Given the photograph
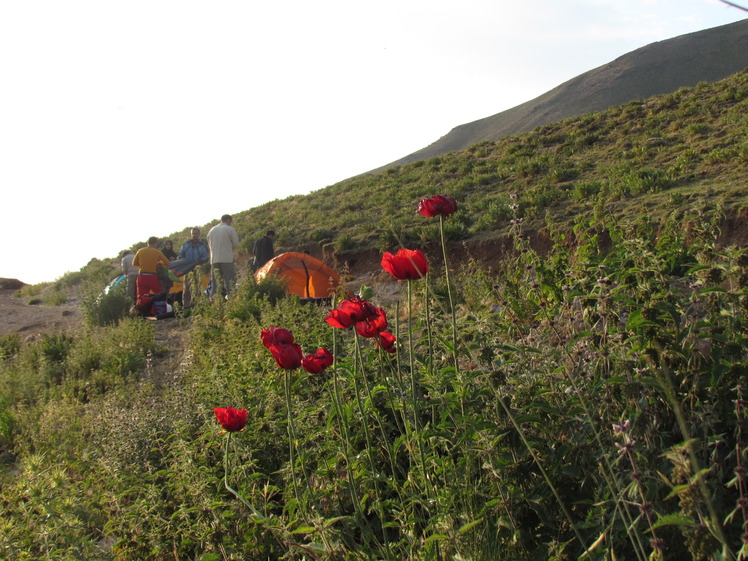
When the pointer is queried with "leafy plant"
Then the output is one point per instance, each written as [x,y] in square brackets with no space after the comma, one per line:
[104,308]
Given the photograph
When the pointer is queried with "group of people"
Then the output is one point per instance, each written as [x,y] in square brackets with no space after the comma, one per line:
[150,271]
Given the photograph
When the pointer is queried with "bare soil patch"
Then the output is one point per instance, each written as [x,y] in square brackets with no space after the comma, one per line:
[31,320]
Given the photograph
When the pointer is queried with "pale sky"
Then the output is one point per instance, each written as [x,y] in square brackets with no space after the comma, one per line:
[122,120]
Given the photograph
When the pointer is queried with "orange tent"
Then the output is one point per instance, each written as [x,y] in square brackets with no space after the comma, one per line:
[307,276]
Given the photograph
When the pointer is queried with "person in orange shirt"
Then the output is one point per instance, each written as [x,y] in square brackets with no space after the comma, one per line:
[148,284]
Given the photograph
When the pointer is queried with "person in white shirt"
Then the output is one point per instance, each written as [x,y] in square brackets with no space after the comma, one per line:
[222,242]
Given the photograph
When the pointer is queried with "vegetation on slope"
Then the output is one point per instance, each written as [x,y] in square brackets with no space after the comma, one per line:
[587,402]
[596,409]
[643,158]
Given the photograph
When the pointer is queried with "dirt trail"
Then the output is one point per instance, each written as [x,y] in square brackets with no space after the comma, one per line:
[31,320]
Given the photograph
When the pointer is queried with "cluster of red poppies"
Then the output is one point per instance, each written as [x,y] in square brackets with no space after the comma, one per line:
[288,355]
[369,320]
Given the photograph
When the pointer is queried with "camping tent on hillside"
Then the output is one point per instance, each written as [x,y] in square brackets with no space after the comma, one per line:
[307,277]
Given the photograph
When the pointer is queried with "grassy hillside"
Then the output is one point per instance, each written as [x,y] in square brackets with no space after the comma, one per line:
[586,401]
[642,159]
[639,160]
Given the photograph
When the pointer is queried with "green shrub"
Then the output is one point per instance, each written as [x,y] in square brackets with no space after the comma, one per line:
[719,155]
[563,173]
[55,298]
[686,161]
[344,242]
[495,212]
[247,302]
[676,199]
[647,180]
[544,195]
[107,307]
[7,426]
[698,128]
[322,235]
[9,345]
[584,191]
[32,290]
[487,178]
[96,271]
[457,226]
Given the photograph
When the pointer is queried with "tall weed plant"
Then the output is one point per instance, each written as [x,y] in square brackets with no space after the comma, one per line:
[104,307]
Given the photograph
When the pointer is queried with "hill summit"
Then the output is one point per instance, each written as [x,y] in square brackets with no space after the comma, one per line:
[659,68]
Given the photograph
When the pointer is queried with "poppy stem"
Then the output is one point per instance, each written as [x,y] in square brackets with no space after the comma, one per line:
[370,397]
[365,423]
[291,438]
[449,294]
[399,375]
[414,389]
[429,341]
[226,480]
[362,411]
[292,446]
[344,428]
[276,532]
[398,370]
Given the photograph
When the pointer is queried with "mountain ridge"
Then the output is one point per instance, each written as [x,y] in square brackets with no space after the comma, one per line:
[658,68]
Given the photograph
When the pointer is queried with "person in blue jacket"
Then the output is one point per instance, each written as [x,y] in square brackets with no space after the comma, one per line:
[193,252]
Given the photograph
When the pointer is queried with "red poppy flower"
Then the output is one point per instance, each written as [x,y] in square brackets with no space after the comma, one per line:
[373,326]
[349,312]
[437,205]
[232,420]
[407,264]
[316,363]
[386,341]
[276,336]
[287,356]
